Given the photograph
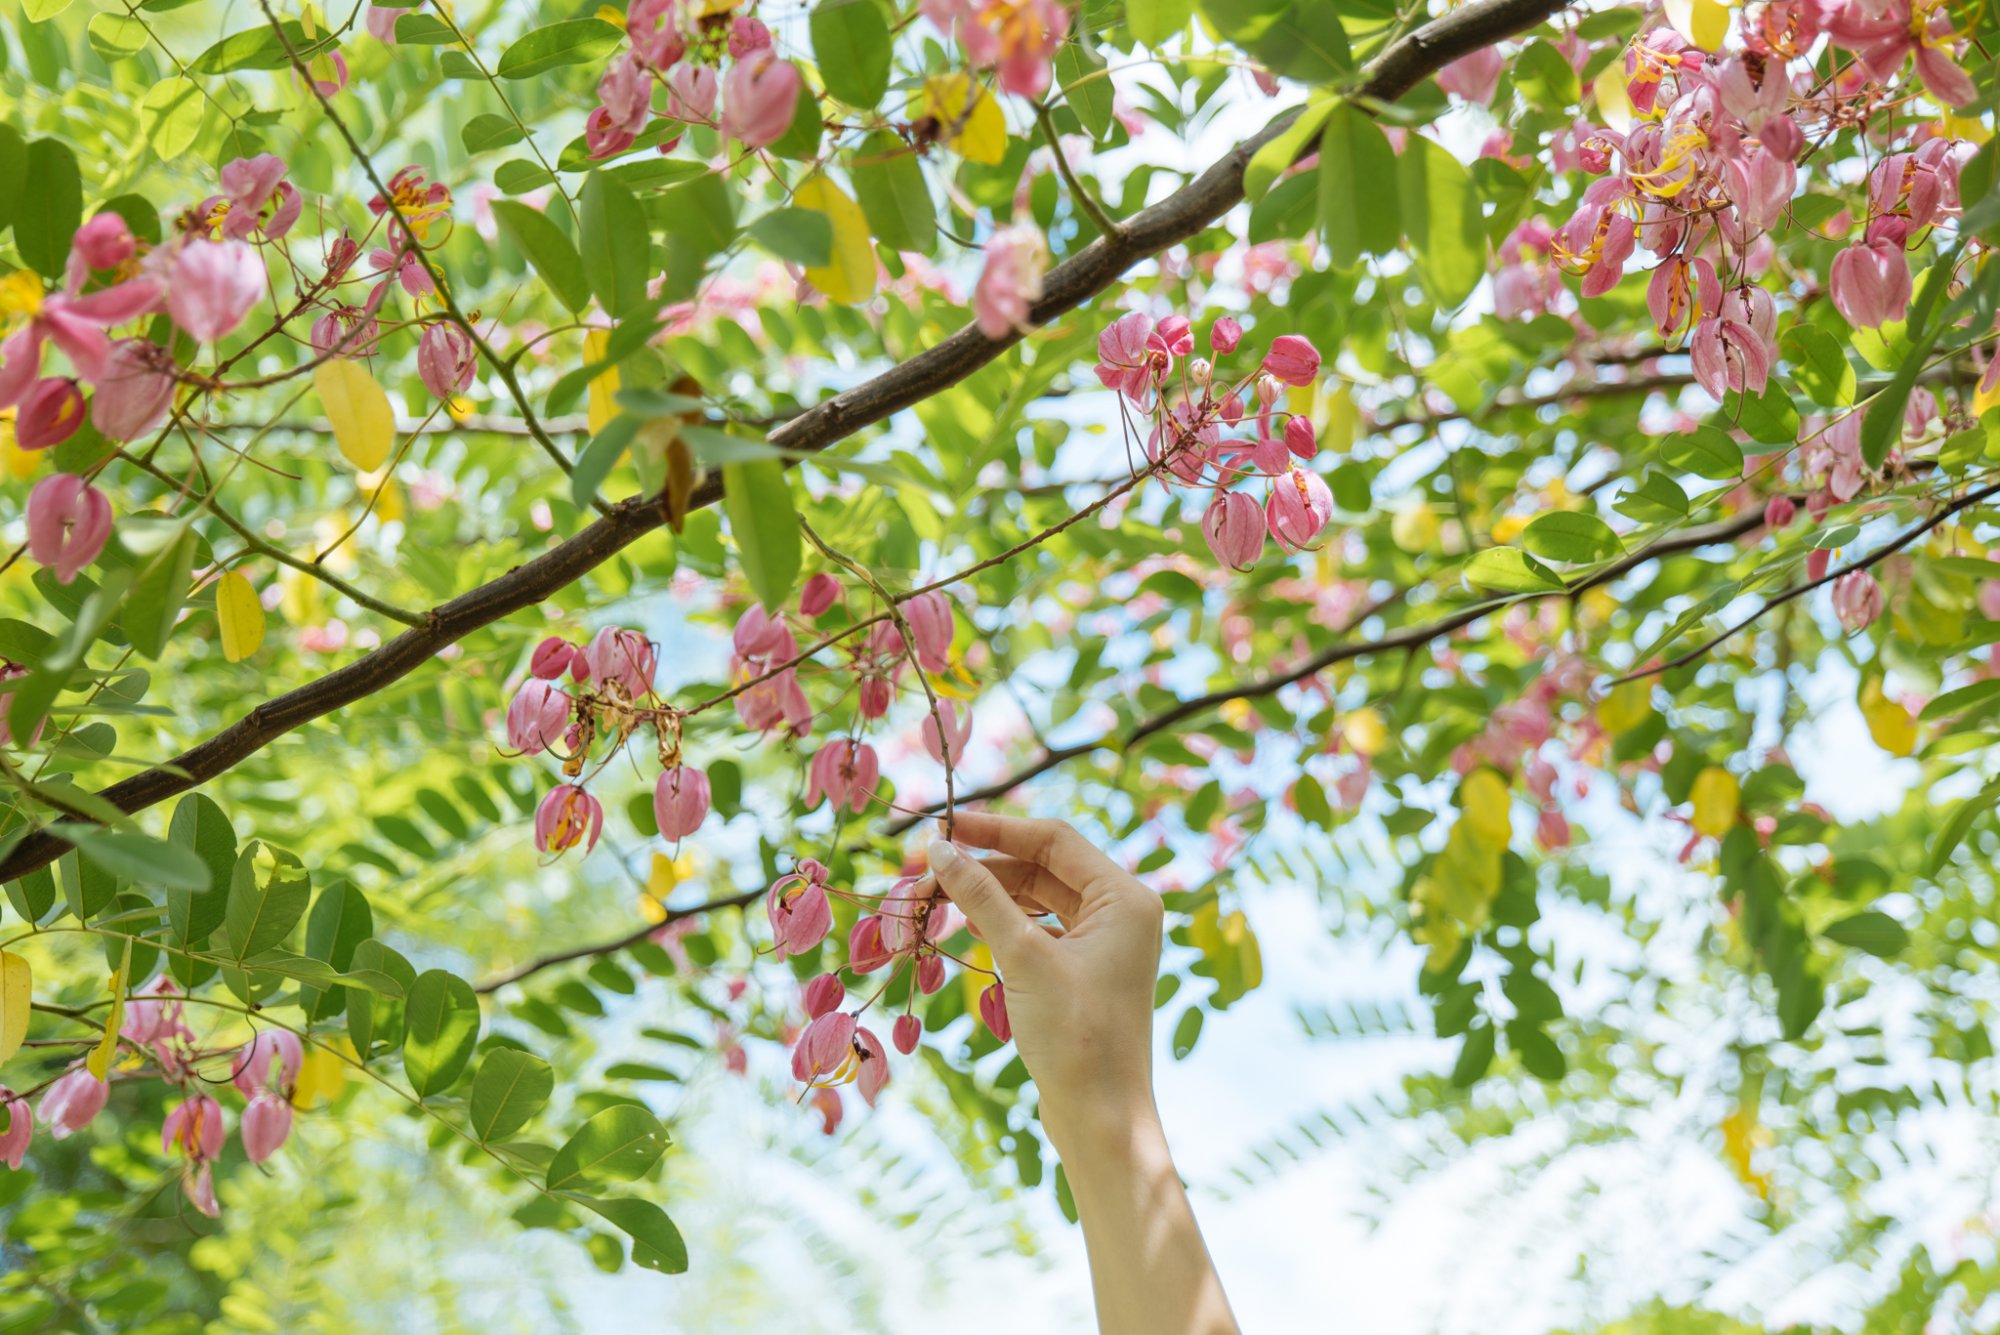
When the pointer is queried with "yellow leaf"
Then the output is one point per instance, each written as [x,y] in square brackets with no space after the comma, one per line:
[99,1061]
[16,462]
[603,402]
[1614,103]
[1703,22]
[1626,707]
[240,616]
[16,983]
[1489,812]
[1889,723]
[1715,795]
[971,980]
[970,120]
[1364,732]
[848,277]
[1742,1136]
[322,1075]
[363,423]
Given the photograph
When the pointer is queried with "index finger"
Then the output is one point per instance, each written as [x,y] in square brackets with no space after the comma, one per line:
[1053,844]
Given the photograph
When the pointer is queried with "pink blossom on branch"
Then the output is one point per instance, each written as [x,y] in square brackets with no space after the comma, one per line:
[1011,281]
[68,522]
[680,801]
[211,286]
[566,817]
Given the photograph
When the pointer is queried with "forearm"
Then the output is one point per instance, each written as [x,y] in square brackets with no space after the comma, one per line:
[1148,1264]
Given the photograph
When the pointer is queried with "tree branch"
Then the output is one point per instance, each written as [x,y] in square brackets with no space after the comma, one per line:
[1181,215]
[626,942]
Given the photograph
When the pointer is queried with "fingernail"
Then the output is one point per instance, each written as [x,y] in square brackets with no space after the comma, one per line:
[941,855]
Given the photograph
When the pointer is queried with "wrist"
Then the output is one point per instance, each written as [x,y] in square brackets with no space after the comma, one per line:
[1116,1128]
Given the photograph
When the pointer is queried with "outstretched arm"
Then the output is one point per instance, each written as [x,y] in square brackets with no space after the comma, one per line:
[1080,1001]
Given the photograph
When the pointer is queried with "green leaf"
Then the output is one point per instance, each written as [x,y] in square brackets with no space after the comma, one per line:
[619,1144]
[1301,39]
[1187,1032]
[261,48]
[804,236]
[155,603]
[423,30]
[517,176]
[1657,499]
[1442,217]
[600,456]
[1269,163]
[1086,87]
[850,40]
[51,209]
[1509,570]
[656,1243]
[545,247]
[135,856]
[201,826]
[1545,77]
[340,921]
[1959,825]
[889,186]
[574,42]
[440,1027]
[1474,1056]
[261,914]
[1573,536]
[758,501]
[1981,695]
[1820,365]
[34,696]
[1359,211]
[14,175]
[1154,22]
[617,247]
[489,131]
[510,1087]
[1706,452]
[116,36]
[1770,417]
[800,141]
[1869,930]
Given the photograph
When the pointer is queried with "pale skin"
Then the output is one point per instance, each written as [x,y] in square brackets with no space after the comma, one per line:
[1080,1000]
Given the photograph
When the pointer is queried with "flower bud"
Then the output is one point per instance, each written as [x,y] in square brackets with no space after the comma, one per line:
[1200,371]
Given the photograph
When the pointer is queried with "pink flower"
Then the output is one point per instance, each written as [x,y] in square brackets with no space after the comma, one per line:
[446,358]
[930,972]
[823,995]
[1594,244]
[1224,335]
[1131,358]
[758,634]
[760,95]
[20,1128]
[75,324]
[211,286]
[603,136]
[778,700]
[382,23]
[270,1047]
[566,817]
[865,951]
[911,916]
[1551,830]
[956,734]
[1778,512]
[1870,283]
[1734,349]
[1857,599]
[799,914]
[266,1124]
[873,1065]
[993,1011]
[68,521]
[1682,291]
[153,1015]
[626,91]
[72,1102]
[1885,33]
[930,619]
[826,1102]
[1292,359]
[1177,334]
[1011,281]
[105,242]
[747,35]
[51,411]
[1473,77]
[196,1126]
[691,91]
[819,594]
[135,390]
[680,801]
[825,1051]
[1299,508]
[625,657]
[906,1033]
[845,773]
[1019,38]
[198,1185]
[552,658]
[538,716]
[1234,527]
[252,184]
[1300,438]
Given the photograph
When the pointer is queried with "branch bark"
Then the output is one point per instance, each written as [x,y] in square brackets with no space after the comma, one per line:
[1197,205]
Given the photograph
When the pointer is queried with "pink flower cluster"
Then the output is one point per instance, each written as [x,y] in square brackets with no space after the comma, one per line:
[1711,166]
[265,1071]
[679,48]
[1016,38]
[1186,411]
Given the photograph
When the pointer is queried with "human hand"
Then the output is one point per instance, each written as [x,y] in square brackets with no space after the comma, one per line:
[1079,996]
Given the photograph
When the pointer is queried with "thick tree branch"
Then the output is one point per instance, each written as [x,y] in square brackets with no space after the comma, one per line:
[1181,215]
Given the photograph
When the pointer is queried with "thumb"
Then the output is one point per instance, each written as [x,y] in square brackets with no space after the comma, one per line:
[984,902]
